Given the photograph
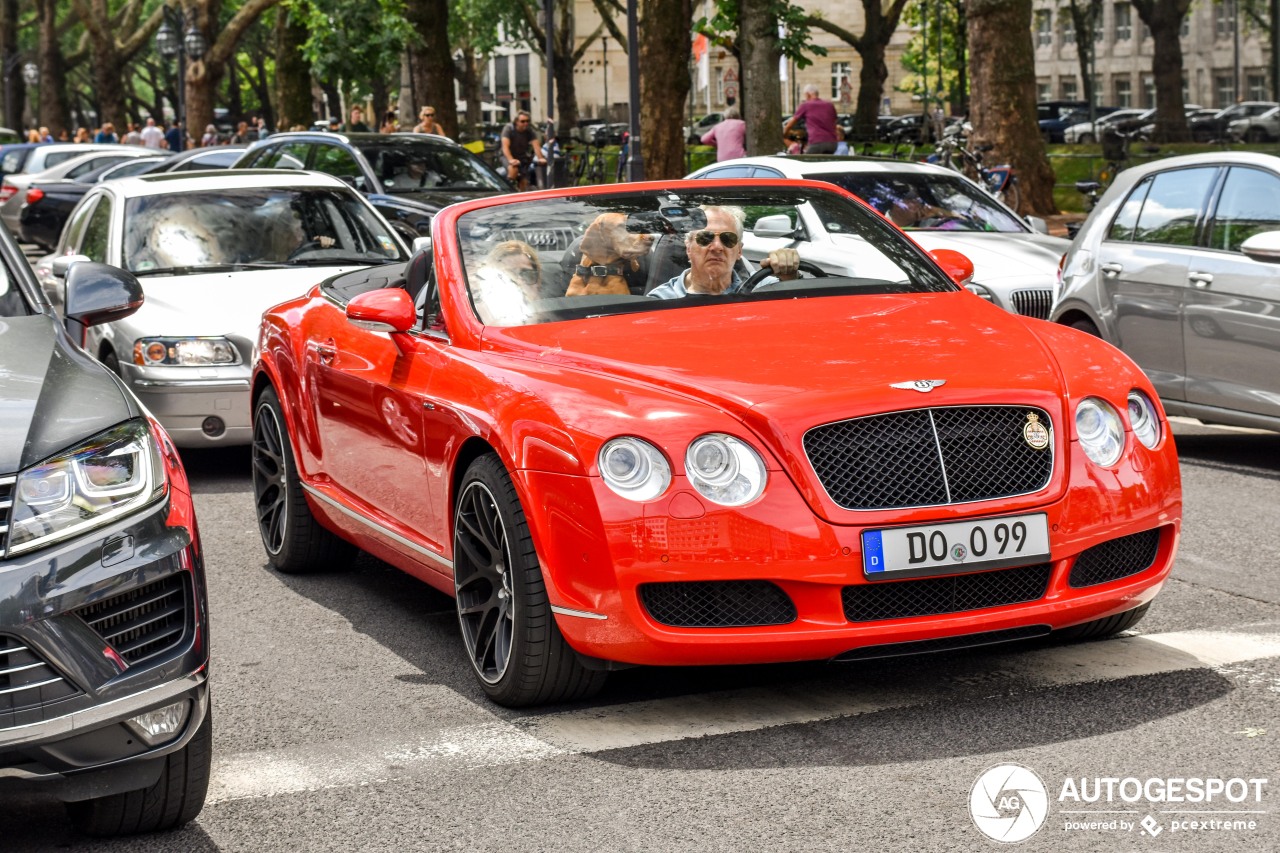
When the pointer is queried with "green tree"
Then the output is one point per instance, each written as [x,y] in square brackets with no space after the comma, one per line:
[1164,19]
[357,41]
[473,30]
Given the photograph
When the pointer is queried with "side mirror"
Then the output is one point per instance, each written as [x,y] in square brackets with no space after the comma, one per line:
[1264,246]
[420,244]
[1037,224]
[384,310]
[96,294]
[63,262]
[778,225]
[957,267]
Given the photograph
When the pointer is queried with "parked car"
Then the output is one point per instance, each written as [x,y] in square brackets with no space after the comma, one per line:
[1206,128]
[1014,265]
[585,129]
[406,176]
[1193,113]
[47,204]
[694,132]
[8,134]
[13,189]
[21,157]
[213,250]
[104,623]
[757,476]
[1264,127]
[1178,266]
[1087,132]
[1054,130]
[609,134]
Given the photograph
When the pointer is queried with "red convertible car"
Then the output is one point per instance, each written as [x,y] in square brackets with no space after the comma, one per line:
[615,440]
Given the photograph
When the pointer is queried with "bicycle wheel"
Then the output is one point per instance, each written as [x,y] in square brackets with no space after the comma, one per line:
[596,172]
[1012,195]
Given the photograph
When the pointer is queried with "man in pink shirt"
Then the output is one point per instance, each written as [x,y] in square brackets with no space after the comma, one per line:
[819,122]
[729,136]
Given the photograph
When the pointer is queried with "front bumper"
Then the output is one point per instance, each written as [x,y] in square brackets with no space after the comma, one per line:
[182,399]
[93,632]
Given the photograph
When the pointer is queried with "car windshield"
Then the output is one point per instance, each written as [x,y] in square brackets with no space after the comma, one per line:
[584,257]
[927,202]
[413,165]
[199,231]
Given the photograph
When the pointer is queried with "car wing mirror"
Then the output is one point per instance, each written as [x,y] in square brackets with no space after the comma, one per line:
[421,244]
[388,309]
[1264,246]
[96,294]
[62,263]
[957,267]
[775,226]
[1037,224]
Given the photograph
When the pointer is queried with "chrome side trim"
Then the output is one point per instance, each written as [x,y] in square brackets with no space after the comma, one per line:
[583,614]
[192,383]
[120,708]
[426,552]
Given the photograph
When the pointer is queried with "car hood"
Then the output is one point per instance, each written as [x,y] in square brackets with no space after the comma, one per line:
[220,303]
[998,256]
[808,361]
[52,394]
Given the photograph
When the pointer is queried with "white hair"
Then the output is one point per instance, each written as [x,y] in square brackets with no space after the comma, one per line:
[810,89]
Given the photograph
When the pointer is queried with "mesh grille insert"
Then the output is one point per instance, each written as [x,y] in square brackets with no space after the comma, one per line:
[953,594]
[717,604]
[929,457]
[142,623]
[27,680]
[1118,558]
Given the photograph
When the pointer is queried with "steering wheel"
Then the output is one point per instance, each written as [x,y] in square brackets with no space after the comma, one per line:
[309,246]
[764,272]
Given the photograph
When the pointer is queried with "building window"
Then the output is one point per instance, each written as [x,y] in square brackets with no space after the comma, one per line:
[1097,91]
[1223,21]
[1124,92]
[1148,91]
[1070,91]
[1044,28]
[1123,21]
[840,72]
[501,76]
[719,75]
[1224,90]
[1258,87]
[1186,26]
[1044,91]
[1068,30]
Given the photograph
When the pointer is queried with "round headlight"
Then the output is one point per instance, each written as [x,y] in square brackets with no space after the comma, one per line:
[725,470]
[1143,419]
[1100,431]
[633,468]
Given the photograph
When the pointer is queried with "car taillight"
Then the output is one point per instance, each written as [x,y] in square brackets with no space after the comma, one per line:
[34,195]
[7,191]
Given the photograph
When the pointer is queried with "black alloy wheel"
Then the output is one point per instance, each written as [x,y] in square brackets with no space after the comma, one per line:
[294,540]
[510,633]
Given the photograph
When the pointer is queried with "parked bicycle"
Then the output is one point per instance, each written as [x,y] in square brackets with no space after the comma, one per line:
[954,152]
[586,164]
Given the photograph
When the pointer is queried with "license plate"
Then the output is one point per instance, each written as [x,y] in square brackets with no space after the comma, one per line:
[960,546]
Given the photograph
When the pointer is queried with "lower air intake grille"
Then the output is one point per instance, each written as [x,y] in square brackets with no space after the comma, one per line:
[945,644]
[954,594]
[1033,303]
[142,623]
[1116,559]
[717,604]
[27,681]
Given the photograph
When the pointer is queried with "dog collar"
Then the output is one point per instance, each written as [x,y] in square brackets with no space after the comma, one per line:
[599,270]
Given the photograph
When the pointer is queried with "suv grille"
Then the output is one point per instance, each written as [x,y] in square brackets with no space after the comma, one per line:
[930,457]
[6,509]
[1116,559]
[1033,303]
[27,680]
[954,594]
[142,623]
[717,604]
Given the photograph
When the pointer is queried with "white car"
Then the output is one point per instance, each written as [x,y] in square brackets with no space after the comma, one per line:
[1015,264]
[1256,129]
[13,189]
[212,251]
[1087,132]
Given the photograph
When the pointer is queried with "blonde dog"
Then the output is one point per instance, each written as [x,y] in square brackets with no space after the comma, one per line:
[606,247]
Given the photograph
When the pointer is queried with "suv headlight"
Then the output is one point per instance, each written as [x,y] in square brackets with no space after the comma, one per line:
[112,474]
[1101,433]
[184,352]
[724,469]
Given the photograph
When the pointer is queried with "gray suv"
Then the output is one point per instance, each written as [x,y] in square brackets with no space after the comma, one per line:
[104,628]
[1179,266]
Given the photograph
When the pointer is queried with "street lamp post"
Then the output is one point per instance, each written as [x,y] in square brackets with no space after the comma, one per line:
[170,46]
[31,76]
[604,47]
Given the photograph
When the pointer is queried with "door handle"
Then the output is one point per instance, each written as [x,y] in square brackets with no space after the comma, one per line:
[1200,279]
[1111,269]
[325,352]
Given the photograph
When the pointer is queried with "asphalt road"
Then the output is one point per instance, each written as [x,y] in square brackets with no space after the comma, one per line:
[346,718]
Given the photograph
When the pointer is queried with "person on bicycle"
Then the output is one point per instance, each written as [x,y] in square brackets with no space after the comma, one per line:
[520,150]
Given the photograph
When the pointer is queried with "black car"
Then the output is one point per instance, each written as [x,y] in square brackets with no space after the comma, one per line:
[406,176]
[104,629]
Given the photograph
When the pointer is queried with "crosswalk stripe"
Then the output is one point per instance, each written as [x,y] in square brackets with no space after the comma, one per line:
[495,742]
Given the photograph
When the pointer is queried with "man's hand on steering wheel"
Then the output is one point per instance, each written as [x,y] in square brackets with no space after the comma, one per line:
[784,263]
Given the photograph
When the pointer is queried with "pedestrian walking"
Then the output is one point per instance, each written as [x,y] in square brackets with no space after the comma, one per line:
[176,138]
[107,134]
[427,122]
[152,136]
[729,136]
[819,122]
[134,136]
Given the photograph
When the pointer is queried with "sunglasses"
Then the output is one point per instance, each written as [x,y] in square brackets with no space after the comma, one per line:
[428,115]
[728,239]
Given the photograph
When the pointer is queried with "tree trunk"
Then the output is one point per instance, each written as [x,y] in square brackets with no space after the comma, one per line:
[1164,19]
[761,99]
[664,55]
[13,86]
[53,81]
[433,61]
[469,81]
[872,75]
[293,73]
[1084,18]
[1004,96]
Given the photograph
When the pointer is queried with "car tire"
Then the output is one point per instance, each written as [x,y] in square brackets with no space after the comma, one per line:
[111,361]
[1086,139]
[175,799]
[1100,628]
[1087,327]
[515,647]
[1256,135]
[295,542]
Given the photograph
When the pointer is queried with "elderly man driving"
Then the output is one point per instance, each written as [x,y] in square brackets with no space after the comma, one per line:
[713,252]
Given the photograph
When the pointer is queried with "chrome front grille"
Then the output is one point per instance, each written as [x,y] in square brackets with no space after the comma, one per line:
[27,681]
[6,509]
[1033,303]
[542,239]
[143,623]
[930,457]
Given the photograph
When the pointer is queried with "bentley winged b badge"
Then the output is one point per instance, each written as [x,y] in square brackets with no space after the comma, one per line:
[924,386]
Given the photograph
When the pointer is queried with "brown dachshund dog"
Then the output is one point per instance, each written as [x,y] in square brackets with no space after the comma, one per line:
[606,247]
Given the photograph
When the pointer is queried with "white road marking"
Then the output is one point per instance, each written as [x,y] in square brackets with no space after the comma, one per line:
[365,761]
